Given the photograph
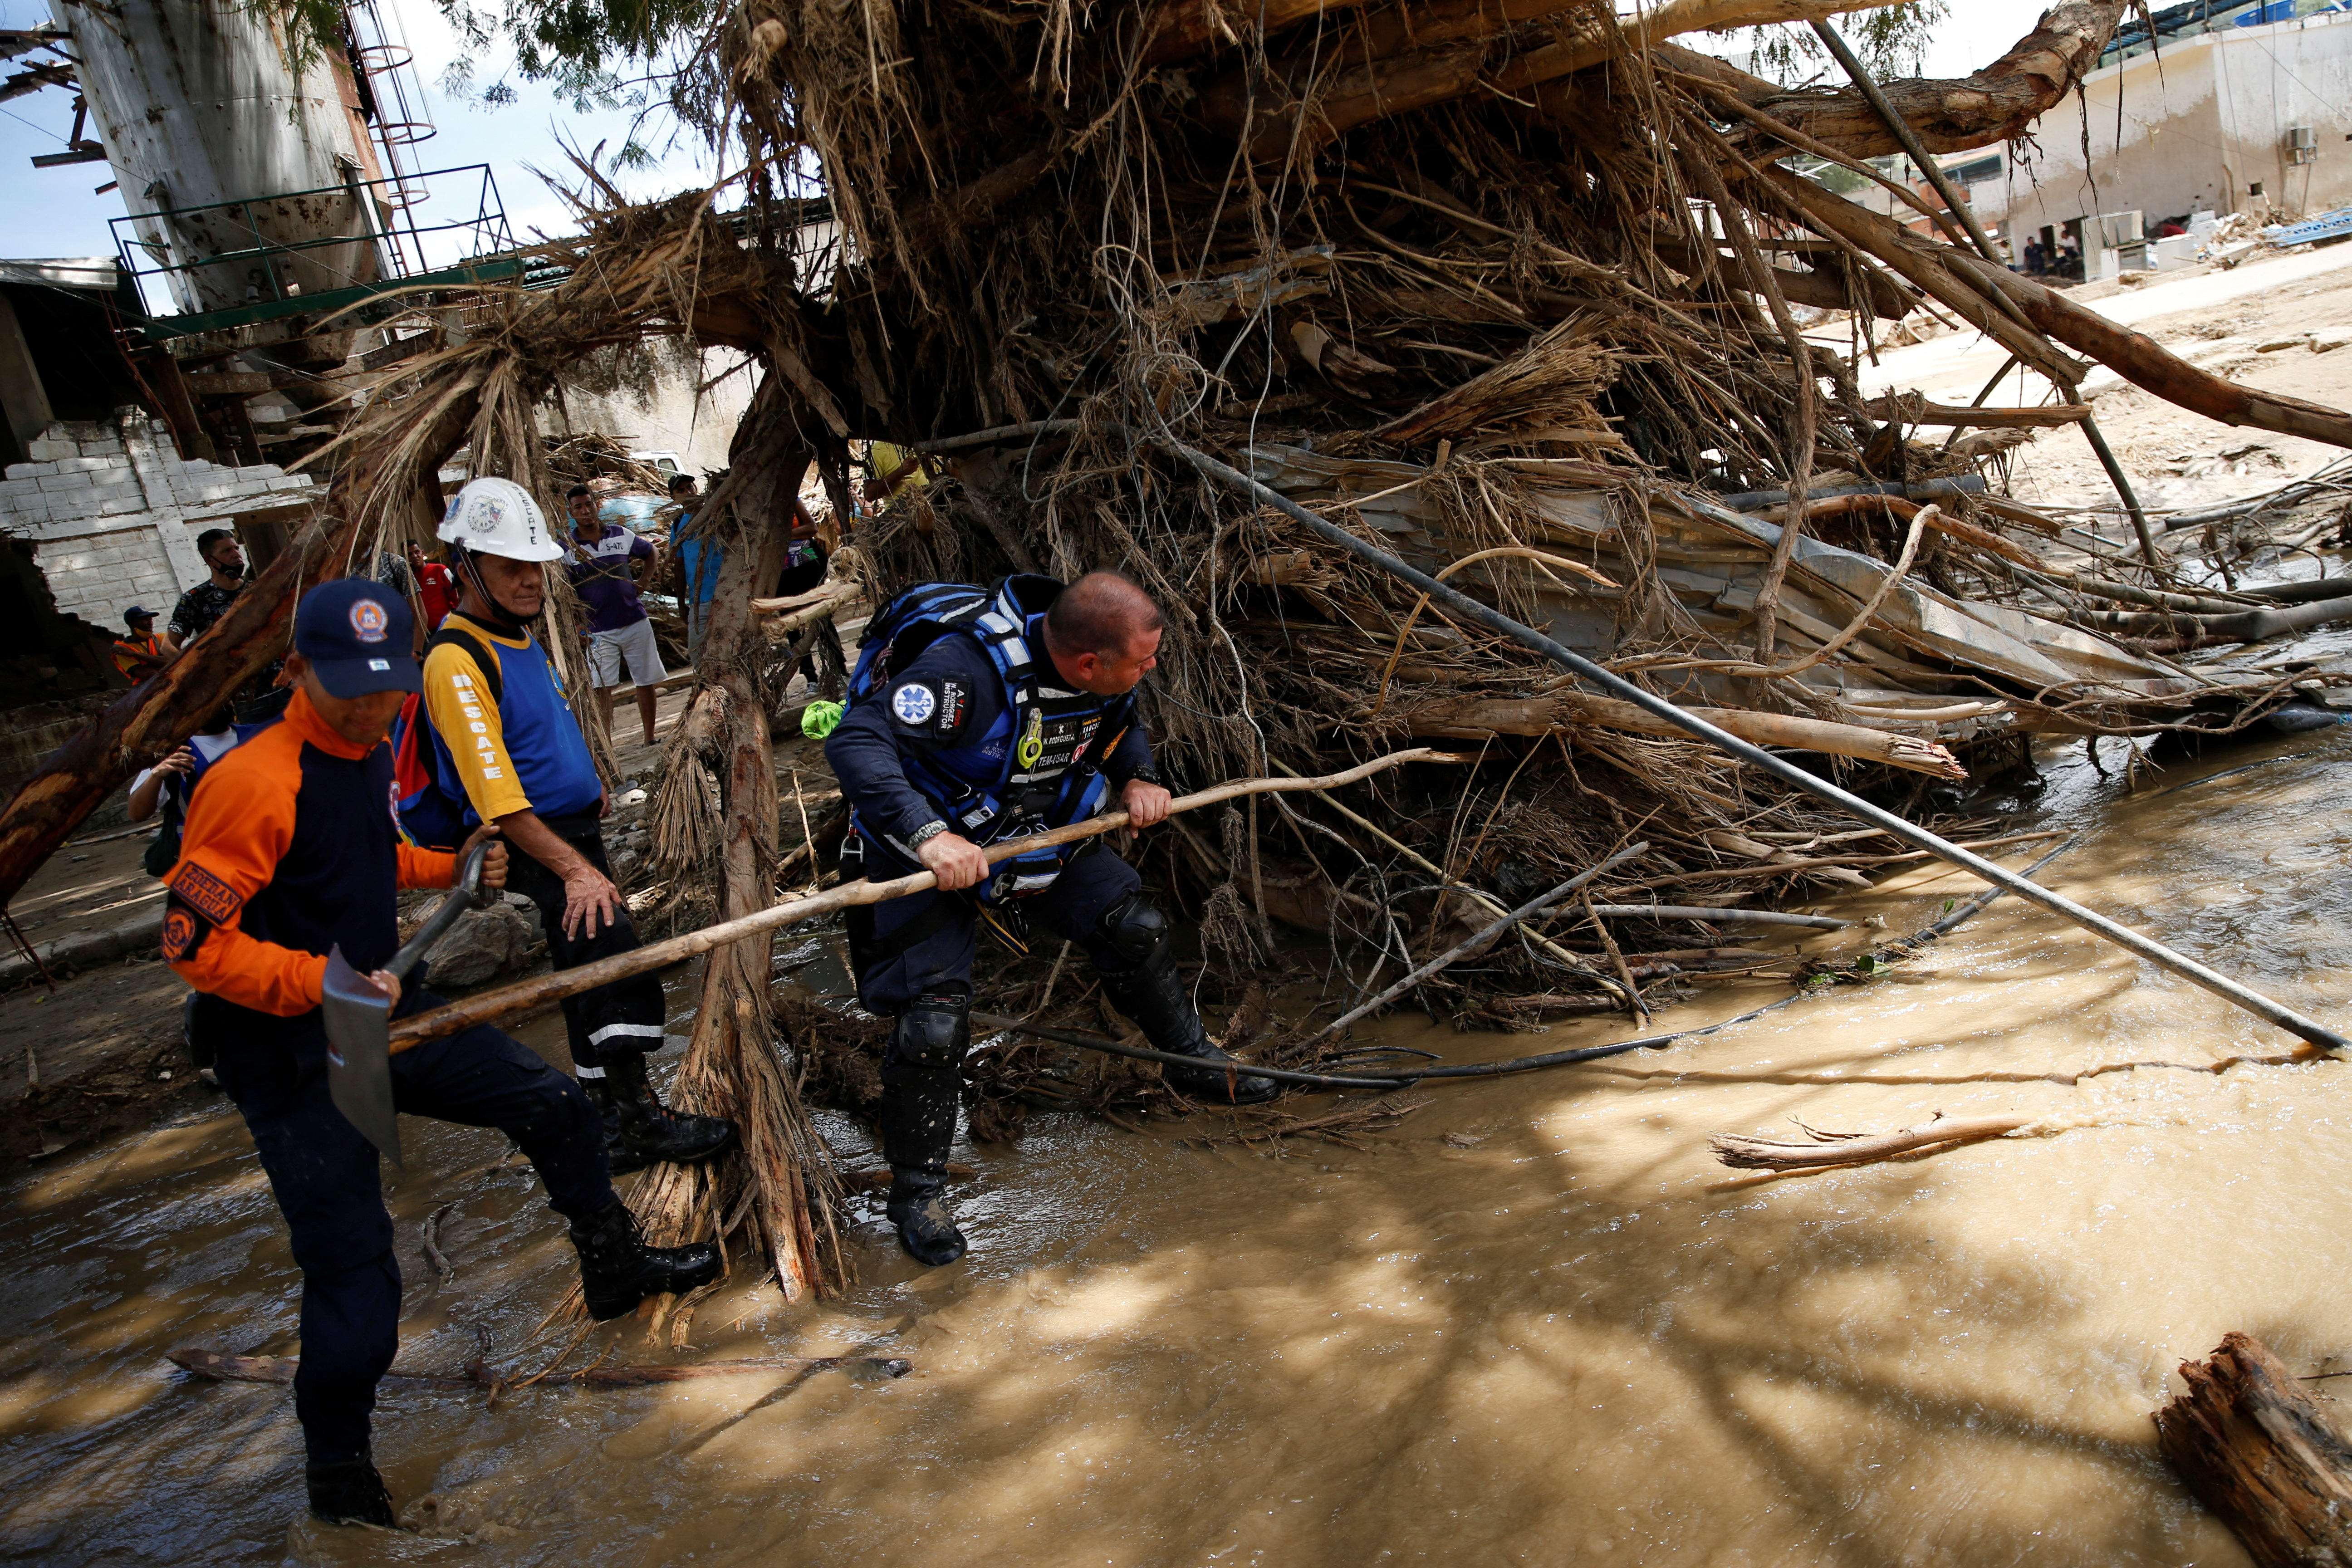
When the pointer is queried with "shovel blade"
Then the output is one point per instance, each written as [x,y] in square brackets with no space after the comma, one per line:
[359,1054]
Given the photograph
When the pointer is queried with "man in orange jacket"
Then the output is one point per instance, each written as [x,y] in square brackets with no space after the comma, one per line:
[292,847]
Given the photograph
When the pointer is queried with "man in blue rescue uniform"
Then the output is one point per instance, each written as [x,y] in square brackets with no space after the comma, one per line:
[292,848]
[977,717]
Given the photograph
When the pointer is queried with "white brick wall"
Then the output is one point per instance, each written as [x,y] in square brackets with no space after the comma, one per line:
[108,507]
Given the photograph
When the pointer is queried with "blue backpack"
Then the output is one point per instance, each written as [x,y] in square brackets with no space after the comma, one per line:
[996,616]
[429,819]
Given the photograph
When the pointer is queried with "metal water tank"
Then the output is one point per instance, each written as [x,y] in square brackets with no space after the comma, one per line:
[246,175]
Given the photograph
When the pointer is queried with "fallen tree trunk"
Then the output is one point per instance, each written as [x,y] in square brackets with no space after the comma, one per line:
[732,1066]
[1275,122]
[1481,718]
[2255,1448]
[2242,625]
[162,711]
[2140,360]
[1973,286]
[1995,104]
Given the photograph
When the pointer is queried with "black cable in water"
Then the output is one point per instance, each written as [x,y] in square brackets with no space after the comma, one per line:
[1407,1077]
[1110,1047]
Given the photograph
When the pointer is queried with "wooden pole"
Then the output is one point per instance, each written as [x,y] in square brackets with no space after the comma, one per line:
[523,995]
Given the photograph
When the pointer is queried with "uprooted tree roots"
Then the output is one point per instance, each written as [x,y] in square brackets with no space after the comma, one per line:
[1505,285]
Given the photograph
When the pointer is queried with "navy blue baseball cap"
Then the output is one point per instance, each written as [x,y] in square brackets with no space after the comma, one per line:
[356,633]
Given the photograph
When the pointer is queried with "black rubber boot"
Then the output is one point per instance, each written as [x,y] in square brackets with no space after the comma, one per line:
[639,1130]
[927,1226]
[349,1493]
[921,1082]
[617,1270]
[1152,994]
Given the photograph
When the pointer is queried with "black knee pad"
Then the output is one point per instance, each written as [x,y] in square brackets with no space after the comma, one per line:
[1134,926]
[933,1032]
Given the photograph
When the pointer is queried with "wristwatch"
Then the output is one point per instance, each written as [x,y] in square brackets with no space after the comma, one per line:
[1147,775]
[925,834]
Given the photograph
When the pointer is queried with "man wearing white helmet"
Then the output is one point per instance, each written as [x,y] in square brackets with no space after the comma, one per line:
[507,749]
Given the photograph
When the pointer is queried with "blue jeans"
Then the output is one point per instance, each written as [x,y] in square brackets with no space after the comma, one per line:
[325,1178]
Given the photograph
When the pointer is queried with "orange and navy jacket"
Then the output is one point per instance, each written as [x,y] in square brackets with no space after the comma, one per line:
[128,652]
[291,848]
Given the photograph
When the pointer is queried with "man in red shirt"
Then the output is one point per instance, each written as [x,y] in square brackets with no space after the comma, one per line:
[437,589]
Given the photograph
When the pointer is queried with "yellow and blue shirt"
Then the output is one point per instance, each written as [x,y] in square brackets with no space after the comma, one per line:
[520,751]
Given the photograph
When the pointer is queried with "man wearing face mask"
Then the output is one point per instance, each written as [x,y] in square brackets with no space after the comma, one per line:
[508,749]
[976,717]
[262,697]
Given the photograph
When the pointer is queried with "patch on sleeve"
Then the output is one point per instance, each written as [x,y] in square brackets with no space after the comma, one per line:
[183,933]
[913,702]
[955,701]
[206,893]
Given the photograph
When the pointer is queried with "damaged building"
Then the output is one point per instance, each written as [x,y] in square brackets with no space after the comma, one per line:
[272,269]
[2222,108]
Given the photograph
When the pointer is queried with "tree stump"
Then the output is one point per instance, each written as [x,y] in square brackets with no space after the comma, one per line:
[2256,1449]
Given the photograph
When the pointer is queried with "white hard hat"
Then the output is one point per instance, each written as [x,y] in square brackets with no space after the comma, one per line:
[498,517]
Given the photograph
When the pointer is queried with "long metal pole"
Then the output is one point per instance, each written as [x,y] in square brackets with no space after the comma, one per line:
[1911,833]
[1958,203]
[1460,604]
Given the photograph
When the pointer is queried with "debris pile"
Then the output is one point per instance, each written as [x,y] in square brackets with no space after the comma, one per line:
[1506,286]
[1510,289]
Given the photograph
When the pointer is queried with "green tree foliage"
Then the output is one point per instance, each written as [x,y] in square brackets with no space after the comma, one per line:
[598,51]
[1891,42]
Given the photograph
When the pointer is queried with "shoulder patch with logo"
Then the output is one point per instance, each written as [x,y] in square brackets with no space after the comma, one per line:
[912,702]
[182,934]
[955,701]
[206,893]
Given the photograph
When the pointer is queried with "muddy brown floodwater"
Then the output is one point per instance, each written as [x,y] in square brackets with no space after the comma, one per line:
[1535,1324]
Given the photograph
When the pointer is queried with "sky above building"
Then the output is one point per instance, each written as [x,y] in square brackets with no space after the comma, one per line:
[57,212]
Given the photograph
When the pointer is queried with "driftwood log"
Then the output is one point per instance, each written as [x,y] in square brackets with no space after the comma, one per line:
[721,751]
[1828,1149]
[2255,1448]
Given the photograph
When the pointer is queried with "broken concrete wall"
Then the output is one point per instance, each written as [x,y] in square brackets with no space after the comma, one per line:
[113,512]
[2196,126]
